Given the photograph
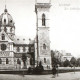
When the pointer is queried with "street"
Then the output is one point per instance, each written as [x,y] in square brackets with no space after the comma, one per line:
[61,76]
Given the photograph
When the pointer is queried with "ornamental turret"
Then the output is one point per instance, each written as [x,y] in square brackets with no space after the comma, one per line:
[7,23]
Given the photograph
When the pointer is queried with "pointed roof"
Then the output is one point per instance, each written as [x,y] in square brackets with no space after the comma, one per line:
[5,10]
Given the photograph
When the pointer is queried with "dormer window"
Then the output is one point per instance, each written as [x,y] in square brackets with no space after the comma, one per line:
[3,37]
[11,21]
[18,39]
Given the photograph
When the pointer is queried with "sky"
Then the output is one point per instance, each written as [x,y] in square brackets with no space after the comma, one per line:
[64,22]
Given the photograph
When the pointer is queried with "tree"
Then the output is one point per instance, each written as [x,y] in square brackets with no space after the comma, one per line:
[55,60]
[66,63]
[24,58]
[73,61]
[38,69]
[78,62]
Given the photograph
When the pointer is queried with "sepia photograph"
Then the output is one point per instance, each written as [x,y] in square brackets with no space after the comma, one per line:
[39,39]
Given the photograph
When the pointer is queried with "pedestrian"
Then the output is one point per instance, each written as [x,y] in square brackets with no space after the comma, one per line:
[54,71]
[29,70]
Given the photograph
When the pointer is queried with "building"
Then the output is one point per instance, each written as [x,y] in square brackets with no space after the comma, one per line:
[11,46]
[43,53]
[62,55]
[66,56]
[17,52]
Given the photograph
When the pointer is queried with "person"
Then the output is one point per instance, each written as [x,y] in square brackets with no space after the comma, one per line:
[54,71]
[57,71]
[29,70]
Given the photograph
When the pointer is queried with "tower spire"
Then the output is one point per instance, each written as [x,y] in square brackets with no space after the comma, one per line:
[5,10]
[5,4]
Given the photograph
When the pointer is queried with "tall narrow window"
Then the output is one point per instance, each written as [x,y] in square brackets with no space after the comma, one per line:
[3,37]
[43,19]
[10,29]
[24,49]
[7,61]
[5,20]
[18,61]
[44,46]
[18,49]
[5,29]
[44,60]
[0,61]
[0,29]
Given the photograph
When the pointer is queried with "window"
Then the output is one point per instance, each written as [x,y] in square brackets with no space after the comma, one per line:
[43,19]
[24,49]
[18,39]
[44,46]
[3,46]
[18,61]
[5,29]
[18,49]
[3,37]
[0,29]
[0,61]
[44,60]
[11,21]
[7,61]
[10,29]
[5,20]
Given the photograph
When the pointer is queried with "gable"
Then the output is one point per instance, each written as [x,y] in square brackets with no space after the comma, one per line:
[4,37]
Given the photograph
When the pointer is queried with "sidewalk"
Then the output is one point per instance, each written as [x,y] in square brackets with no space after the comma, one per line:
[68,76]
[61,76]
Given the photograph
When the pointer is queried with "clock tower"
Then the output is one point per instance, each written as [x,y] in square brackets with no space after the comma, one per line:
[43,42]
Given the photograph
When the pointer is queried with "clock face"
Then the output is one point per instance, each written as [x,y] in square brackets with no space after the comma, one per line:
[3,46]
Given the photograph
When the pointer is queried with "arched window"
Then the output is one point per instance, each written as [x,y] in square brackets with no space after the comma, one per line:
[10,29]
[11,21]
[18,61]
[5,20]
[0,29]
[44,46]
[7,61]
[43,19]
[18,49]
[0,61]
[5,29]
[44,60]
[3,37]
[24,49]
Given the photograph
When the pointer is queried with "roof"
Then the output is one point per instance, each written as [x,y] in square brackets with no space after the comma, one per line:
[21,40]
[6,16]
[31,41]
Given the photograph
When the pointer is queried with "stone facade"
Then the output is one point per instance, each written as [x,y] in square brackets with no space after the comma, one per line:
[13,47]
[42,14]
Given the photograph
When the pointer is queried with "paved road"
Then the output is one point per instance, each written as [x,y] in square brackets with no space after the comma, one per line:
[62,76]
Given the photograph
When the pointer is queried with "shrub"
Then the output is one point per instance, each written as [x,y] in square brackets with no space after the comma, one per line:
[38,69]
